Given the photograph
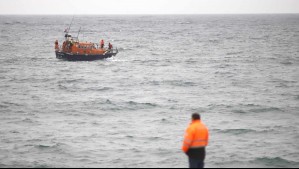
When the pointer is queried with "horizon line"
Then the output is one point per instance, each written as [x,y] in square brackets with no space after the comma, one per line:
[279,13]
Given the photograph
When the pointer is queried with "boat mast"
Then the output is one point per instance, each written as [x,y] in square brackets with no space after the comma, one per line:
[78,34]
[68,30]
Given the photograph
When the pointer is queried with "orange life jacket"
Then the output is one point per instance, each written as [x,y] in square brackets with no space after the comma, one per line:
[197,136]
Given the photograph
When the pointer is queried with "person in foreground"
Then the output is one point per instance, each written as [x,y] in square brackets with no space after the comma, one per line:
[195,142]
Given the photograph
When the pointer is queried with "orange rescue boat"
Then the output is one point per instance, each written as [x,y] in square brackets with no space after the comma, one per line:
[74,50]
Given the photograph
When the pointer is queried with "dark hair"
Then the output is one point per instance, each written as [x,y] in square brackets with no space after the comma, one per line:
[195,116]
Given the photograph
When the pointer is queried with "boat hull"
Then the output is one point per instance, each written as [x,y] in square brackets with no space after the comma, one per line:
[75,57]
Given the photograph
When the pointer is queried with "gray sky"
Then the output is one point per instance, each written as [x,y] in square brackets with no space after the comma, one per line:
[147,6]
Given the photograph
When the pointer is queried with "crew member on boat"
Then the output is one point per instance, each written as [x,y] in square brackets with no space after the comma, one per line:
[56,45]
[110,46]
[102,43]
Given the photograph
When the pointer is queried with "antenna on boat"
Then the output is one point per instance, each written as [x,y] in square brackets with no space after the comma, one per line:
[78,33]
[68,30]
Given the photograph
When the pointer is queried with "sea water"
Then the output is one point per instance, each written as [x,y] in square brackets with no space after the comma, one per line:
[240,72]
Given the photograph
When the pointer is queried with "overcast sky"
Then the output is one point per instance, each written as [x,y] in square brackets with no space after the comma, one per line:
[147,6]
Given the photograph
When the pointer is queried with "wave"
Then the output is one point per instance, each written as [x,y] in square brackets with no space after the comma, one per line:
[250,105]
[45,146]
[98,89]
[213,41]
[62,87]
[27,120]
[131,137]
[276,162]
[142,105]
[246,131]
[257,38]
[14,132]
[263,110]
[154,138]
[154,83]
[70,81]
[120,106]
[13,23]
[239,111]
[4,166]
[108,101]
[3,106]
[230,38]
[287,63]
[258,110]
[253,108]
[9,104]
[234,53]
[223,66]
[237,131]
[180,83]
[155,54]
[3,36]
[185,23]
[103,89]
[50,146]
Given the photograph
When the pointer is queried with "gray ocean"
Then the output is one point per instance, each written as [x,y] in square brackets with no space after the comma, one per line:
[241,72]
